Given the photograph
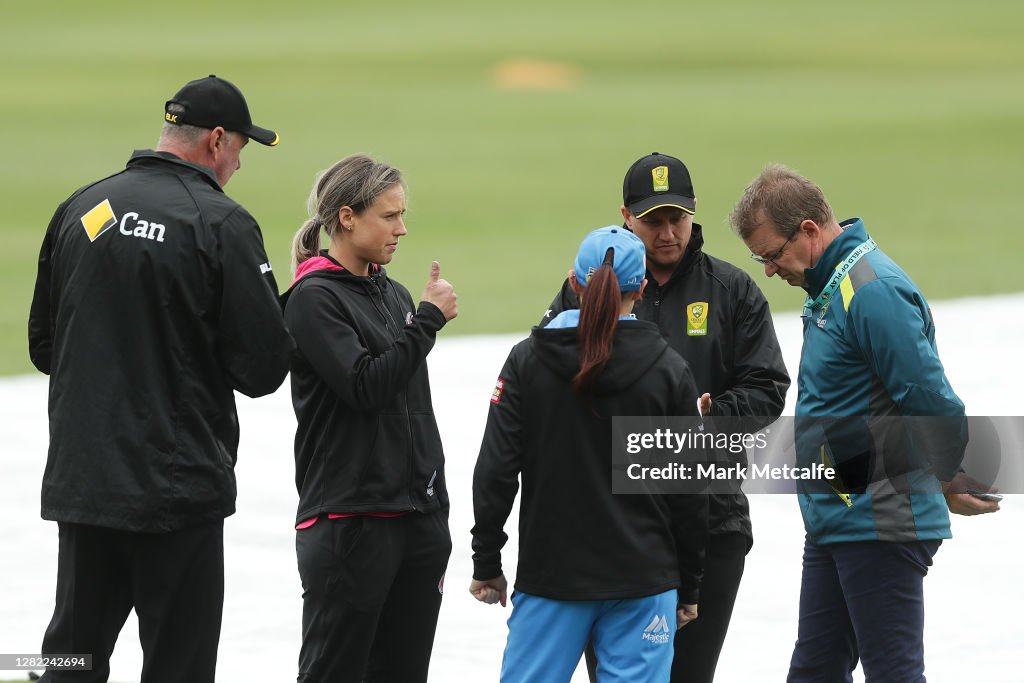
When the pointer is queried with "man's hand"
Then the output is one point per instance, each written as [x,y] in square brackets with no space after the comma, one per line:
[685,614]
[440,292]
[704,404]
[490,591]
[962,503]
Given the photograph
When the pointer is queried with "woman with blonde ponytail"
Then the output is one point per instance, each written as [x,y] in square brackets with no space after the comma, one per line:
[592,565]
[372,535]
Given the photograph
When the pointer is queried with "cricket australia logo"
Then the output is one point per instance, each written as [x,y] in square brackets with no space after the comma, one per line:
[659,178]
[657,631]
[697,319]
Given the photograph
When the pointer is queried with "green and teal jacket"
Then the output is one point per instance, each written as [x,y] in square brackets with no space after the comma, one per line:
[873,401]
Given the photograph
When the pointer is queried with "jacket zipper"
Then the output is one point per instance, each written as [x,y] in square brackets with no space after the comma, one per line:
[405,394]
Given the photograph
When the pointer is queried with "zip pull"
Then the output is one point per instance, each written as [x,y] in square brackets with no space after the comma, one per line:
[430,484]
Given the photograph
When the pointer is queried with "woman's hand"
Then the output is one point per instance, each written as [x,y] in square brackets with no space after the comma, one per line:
[490,591]
[440,292]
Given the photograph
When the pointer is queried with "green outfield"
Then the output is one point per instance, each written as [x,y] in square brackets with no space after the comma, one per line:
[515,122]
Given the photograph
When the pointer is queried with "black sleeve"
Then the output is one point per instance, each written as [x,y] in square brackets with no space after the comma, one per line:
[328,340]
[761,380]
[565,300]
[40,317]
[253,344]
[689,512]
[496,476]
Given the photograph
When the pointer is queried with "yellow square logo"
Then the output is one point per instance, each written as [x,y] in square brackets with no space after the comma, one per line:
[659,175]
[98,220]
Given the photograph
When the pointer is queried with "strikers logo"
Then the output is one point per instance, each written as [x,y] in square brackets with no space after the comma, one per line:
[499,387]
[697,319]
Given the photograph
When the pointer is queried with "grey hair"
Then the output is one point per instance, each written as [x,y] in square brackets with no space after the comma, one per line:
[356,181]
[782,196]
[181,134]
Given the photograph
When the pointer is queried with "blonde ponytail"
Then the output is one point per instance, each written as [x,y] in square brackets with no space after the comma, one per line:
[306,243]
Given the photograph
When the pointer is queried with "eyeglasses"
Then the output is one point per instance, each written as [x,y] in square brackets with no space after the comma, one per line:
[765,260]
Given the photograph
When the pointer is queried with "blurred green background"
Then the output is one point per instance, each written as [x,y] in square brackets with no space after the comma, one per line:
[515,122]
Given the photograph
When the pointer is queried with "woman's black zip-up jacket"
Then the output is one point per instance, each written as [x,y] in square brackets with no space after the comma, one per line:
[578,540]
[735,356]
[366,439]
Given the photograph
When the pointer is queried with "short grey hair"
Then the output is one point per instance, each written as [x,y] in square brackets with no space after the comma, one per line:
[181,134]
[785,198]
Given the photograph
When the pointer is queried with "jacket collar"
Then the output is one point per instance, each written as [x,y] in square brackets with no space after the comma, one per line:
[818,275]
[325,264]
[146,156]
[637,347]
[322,262]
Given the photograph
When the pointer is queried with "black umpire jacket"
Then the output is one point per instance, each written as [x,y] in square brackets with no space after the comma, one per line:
[578,540]
[154,301]
[737,359]
[366,439]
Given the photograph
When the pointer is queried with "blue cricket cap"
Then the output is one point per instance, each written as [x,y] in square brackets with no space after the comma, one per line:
[627,257]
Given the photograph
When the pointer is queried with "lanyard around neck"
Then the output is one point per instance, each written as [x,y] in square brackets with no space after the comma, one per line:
[823,299]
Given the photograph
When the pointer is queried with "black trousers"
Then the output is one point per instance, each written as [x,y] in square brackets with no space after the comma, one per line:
[175,582]
[371,593]
[699,643]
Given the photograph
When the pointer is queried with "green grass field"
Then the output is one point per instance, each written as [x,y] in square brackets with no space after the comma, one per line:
[907,113]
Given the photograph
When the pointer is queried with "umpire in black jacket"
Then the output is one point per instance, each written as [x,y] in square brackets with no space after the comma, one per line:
[154,301]
[714,315]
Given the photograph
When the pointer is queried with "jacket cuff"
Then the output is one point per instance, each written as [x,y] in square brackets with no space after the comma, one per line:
[689,596]
[432,313]
[485,571]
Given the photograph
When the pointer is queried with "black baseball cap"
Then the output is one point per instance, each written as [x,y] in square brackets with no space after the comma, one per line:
[657,180]
[210,102]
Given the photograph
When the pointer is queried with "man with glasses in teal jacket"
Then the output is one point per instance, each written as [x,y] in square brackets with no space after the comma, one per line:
[869,362]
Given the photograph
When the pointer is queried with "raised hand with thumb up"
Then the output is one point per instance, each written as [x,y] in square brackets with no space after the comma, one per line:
[440,292]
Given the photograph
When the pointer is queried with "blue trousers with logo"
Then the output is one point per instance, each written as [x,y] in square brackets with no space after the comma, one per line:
[862,600]
[633,638]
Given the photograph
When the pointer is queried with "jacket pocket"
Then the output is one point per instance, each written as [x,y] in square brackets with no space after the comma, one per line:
[384,470]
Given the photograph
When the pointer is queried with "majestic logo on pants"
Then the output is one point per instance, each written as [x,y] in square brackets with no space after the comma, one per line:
[657,631]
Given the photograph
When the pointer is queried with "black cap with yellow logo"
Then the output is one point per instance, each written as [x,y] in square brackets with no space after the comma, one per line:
[657,180]
[210,102]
